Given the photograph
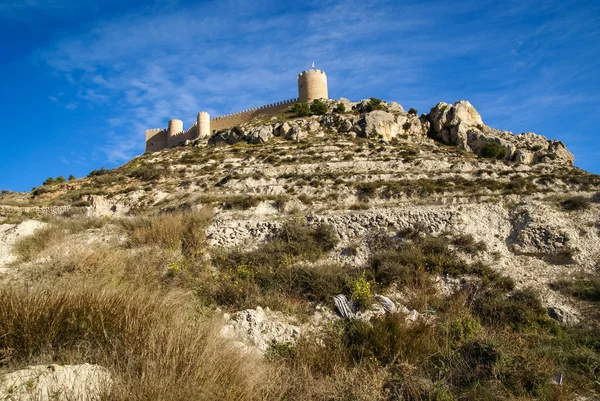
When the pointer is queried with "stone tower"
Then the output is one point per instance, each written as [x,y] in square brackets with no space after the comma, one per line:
[175,127]
[312,85]
[203,123]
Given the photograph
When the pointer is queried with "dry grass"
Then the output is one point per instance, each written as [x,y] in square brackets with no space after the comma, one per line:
[154,345]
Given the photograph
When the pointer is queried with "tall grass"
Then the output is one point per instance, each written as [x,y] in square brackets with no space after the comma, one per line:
[154,345]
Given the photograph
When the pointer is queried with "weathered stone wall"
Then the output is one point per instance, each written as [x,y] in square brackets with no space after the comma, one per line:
[156,139]
[231,120]
[181,137]
[312,85]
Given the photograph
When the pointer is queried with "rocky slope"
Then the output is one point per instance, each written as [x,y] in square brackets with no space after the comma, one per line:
[366,169]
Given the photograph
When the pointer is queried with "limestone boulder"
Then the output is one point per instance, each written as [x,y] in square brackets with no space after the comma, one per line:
[56,383]
[412,125]
[475,140]
[260,134]
[229,137]
[296,133]
[395,108]
[445,118]
[260,328]
[282,129]
[380,123]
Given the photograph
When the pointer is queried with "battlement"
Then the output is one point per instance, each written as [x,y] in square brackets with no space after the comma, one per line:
[303,73]
[261,108]
[241,117]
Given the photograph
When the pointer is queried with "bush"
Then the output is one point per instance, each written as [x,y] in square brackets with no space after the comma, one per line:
[413,111]
[146,172]
[71,177]
[60,179]
[95,173]
[375,104]
[522,309]
[493,150]
[587,289]
[49,181]
[301,109]
[318,107]
[340,108]
[240,202]
[576,203]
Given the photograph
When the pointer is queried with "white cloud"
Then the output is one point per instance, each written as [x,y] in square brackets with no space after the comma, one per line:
[150,66]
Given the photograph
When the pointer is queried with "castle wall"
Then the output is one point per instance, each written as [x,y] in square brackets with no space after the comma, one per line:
[181,137]
[156,139]
[312,85]
[231,120]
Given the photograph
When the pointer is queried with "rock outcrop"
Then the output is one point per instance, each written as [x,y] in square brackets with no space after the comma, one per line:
[56,383]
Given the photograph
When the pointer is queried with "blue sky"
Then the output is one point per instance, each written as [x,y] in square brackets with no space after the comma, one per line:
[81,81]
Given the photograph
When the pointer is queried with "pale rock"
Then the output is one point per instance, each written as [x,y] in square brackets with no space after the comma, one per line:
[56,383]
[260,328]
[295,133]
[395,108]
[379,122]
[260,134]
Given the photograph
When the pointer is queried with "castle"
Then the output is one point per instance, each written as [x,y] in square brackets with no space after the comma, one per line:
[312,85]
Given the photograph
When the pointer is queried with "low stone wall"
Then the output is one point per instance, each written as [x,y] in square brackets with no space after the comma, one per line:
[33,211]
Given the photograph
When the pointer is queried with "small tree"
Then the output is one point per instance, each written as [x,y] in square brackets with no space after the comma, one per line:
[71,177]
[49,181]
[375,104]
[318,107]
[493,150]
[413,111]
[340,108]
[301,109]
[60,179]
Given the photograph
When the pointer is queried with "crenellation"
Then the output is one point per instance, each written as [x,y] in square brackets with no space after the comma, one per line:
[312,85]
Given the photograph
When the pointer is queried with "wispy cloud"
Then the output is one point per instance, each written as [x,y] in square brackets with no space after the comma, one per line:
[155,63]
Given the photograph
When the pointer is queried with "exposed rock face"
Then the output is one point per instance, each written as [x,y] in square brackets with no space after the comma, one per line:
[461,125]
[380,123]
[260,328]
[456,124]
[55,383]
[260,134]
[11,233]
[533,235]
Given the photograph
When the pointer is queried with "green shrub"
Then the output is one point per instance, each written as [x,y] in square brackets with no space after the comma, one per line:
[375,104]
[49,181]
[60,179]
[493,150]
[413,111]
[95,173]
[521,309]
[301,109]
[587,289]
[240,202]
[340,108]
[406,126]
[147,172]
[318,107]
[71,177]
[576,203]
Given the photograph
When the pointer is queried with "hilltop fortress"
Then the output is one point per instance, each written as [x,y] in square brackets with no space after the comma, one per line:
[312,85]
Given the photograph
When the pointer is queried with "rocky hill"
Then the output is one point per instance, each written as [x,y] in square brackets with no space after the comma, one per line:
[462,258]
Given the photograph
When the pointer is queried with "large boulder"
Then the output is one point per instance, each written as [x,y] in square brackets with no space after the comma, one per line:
[381,123]
[260,328]
[56,383]
[446,119]
[230,137]
[260,134]
[295,134]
